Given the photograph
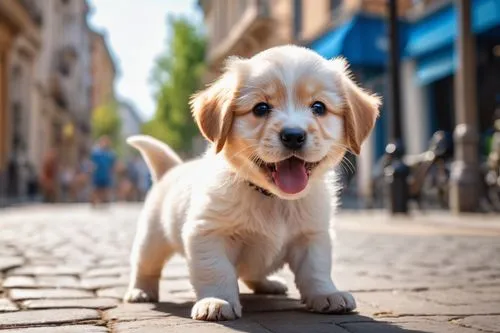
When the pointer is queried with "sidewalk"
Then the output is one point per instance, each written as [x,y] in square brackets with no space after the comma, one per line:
[67,266]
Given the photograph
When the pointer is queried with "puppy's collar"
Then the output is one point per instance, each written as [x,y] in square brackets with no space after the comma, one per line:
[260,189]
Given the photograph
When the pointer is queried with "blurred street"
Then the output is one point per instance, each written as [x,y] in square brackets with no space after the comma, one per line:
[67,265]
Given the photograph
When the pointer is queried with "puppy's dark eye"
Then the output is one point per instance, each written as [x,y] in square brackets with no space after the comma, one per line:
[318,108]
[261,109]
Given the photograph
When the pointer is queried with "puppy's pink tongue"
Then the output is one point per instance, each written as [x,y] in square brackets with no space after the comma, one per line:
[291,175]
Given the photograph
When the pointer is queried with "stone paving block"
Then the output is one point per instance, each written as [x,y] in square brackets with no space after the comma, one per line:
[181,325]
[59,281]
[483,323]
[176,260]
[19,282]
[407,327]
[6,251]
[173,286]
[147,311]
[469,296]
[46,317]
[177,297]
[417,319]
[407,303]
[46,261]
[90,303]
[104,282]
[301,328]
[48,270]
[173,271]
[307,317]
[108,271]
[113,262]
[61,329]
[24,294]
[7,306]
[35,254]
[10,262]
[117,292]
[350,282]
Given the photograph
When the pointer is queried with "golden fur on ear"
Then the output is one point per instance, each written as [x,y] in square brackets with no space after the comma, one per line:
[212,108]
[362,109]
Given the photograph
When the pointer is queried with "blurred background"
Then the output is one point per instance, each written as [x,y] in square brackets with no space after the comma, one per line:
[73,72]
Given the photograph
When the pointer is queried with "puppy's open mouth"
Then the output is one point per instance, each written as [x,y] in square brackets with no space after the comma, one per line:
[290,175]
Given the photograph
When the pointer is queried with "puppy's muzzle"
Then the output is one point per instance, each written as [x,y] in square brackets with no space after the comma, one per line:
[293,138]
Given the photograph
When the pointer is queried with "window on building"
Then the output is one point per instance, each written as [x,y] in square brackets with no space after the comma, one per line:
[297,18]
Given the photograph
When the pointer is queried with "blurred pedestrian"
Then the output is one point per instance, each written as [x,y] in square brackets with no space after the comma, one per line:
[494,154]
[48,176]
[67,178]
[32,189]
[104,161]
[80,189]
[134,175]
[143,177]
[123,183]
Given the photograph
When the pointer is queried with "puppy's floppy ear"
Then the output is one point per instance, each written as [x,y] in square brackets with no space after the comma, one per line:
[361,109]
[213,108]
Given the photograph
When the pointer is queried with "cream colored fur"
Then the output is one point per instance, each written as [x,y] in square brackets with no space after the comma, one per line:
[205,210]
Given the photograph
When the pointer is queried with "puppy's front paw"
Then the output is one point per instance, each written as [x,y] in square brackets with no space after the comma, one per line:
[215,309]
[337,302]
[136,295]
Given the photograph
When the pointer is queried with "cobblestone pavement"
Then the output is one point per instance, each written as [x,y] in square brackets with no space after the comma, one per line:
[64,269]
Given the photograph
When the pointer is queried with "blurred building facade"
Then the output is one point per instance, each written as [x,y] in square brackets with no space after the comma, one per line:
[244,28]
[65,78]
[358,30]
[20,47]
[103,71]
[45,83]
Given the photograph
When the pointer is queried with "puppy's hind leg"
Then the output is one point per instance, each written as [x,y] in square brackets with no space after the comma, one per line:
[150,251]
[269,286]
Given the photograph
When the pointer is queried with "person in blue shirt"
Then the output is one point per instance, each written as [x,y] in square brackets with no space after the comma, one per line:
[104,160]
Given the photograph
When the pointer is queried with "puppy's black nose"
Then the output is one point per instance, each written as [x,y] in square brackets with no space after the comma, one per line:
[293,138]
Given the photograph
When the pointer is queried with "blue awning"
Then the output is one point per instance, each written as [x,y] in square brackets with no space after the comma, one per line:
[362,41]
[436,66]
[440,29]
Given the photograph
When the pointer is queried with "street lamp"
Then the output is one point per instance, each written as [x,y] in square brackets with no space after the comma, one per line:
[396,172]
[464,179]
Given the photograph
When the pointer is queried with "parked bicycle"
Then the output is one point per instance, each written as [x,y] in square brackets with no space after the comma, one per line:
[429,174]
[491,169]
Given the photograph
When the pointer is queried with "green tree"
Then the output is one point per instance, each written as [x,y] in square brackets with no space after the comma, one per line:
[176,75]
[106,121]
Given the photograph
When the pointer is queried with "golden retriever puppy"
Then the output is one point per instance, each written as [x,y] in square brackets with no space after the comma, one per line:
[259,197]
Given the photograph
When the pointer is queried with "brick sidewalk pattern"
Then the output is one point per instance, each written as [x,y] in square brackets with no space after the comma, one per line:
[65,269]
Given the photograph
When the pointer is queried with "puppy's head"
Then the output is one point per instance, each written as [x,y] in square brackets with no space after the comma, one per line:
[284,116]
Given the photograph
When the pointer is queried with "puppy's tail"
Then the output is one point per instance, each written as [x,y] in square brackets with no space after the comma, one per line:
[158,156]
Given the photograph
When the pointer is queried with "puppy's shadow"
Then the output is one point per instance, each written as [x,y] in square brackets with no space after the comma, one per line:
[280,314]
